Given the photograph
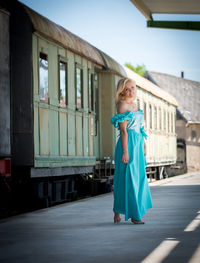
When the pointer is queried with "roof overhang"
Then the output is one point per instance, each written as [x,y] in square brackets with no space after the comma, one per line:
[150,7]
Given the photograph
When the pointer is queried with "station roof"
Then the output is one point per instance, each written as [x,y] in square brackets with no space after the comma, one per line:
[186,92]
[150,7]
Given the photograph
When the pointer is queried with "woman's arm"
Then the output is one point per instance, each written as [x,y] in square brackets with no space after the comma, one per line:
[124,140]
[124,136]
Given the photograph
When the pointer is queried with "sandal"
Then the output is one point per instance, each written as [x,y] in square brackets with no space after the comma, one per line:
[137,222]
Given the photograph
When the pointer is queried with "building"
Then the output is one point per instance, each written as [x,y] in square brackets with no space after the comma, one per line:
[187,94]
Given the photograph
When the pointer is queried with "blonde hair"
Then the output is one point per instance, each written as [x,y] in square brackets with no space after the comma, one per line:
[120,87]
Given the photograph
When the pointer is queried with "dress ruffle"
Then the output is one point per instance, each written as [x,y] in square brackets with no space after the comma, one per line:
[121,117]
[143,132]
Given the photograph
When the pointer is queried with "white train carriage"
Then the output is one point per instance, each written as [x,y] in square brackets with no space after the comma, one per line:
[159,120]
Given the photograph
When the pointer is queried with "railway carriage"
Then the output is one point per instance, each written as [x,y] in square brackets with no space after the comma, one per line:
[62,97]
[159,121]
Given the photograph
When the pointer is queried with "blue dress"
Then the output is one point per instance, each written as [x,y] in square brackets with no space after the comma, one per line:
[132,195]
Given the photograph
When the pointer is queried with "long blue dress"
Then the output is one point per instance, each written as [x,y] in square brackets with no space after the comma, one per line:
[131,191]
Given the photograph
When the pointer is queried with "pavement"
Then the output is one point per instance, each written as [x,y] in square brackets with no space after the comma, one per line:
[83,231]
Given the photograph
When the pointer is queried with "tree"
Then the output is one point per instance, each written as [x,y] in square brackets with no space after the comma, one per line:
[139,69]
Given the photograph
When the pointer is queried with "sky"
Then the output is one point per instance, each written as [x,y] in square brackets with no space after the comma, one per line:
[119,29]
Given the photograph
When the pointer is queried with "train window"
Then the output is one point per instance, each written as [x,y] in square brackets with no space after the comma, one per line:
[160,119]
[62,83]
[150,117]
[172,122]
[90,91]
[168,122]
[193,134]
[43,75]
[145,110]
[155,117]
[164,120]
[79,87]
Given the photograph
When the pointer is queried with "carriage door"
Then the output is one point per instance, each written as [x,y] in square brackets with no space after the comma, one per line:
[96,123]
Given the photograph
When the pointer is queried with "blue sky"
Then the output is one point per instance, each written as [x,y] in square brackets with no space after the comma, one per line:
[119,29]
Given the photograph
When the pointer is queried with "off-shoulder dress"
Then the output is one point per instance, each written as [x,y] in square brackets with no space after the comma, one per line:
[131,191]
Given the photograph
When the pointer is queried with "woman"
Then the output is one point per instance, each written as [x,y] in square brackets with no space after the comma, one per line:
[132,195]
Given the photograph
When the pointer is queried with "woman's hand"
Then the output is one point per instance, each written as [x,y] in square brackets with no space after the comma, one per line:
[125,157]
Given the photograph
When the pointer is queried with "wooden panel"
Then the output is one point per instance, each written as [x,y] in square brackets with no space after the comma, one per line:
[5,100]
[35,65]
[61,52]
[71,135]
[96,119]
[153,146]
[79,136]
[78,59]
[44,132]
[42,45]
[150,153]
[63,133]
[46,161]
[85,84]
[71,78]
[53,73]
[36,132]
[107,108]
[91,137]
[166,147]
[160,152]
[53,132]
[89,65]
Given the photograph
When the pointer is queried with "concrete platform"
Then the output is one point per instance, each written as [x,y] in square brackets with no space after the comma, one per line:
[83,231]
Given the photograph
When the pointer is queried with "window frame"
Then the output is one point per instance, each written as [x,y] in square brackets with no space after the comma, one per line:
[145,113]
[165,120]
[155,112]
[78,66]
[91,79]
[45,54]
[64,61]
[150,116]
[168,121]
[160,118]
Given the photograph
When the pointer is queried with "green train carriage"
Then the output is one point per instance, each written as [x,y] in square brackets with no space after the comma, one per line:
[63,92]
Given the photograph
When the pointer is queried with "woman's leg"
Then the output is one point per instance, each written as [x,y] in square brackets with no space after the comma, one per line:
[117,218]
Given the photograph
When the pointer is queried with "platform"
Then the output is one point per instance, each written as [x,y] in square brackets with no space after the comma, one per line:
[83,231]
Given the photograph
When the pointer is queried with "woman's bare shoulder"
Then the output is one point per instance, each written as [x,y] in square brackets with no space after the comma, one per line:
[121,107]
